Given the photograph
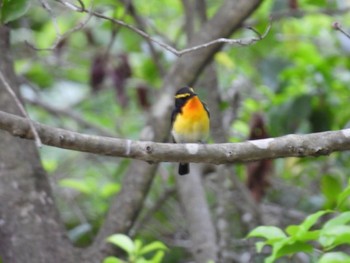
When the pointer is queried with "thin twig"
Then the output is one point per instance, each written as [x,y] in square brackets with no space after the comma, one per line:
[61,37]
[114,33]
[22,109]
[179,53]
[337,26]
[47,7]
[142,24]
[240,42]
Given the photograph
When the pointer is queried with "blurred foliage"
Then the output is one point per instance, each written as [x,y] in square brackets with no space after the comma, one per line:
[297,78]
[136,251]
[298,238]
[11,10]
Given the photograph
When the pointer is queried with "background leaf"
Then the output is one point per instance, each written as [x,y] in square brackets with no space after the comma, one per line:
[113,260]
[335,235]
[156,245]
[122,241]
[269,232]
[13,9]
[334,257]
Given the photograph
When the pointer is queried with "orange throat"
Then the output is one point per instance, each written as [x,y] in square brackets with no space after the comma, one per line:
[193,108]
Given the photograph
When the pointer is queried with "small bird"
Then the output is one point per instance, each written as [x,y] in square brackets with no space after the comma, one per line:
[190,121]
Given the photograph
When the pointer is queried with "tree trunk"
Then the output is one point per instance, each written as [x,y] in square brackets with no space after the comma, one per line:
[30,227]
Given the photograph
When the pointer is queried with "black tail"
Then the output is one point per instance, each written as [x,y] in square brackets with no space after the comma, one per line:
[184,168]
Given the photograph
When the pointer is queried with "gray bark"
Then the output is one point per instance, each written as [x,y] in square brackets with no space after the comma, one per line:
[293,145]
[197,214]
[30,228]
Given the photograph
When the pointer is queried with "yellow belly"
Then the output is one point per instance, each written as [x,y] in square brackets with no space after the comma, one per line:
[192,125]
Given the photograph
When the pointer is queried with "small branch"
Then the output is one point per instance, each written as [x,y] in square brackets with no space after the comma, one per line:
[47,7]
[337,26]
[141,22]
[179,53]
[240,42]
[314,144]
[22,110]
[60,37]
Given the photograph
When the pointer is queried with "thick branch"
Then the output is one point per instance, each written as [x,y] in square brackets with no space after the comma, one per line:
[314,144]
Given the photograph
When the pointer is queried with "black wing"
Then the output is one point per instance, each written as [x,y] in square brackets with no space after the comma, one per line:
[206,108]
[173,116]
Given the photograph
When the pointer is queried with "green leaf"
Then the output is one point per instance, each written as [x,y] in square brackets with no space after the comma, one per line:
[301,233]
[298,233]
[241,127]
[122,241]
[268,232]
[335,257]
[292,230]
[13,9]
[331,237]
[79,185]
[224,59]
[110,189]
[50,165]
[276,247]
[113,260]
[341,219]
[311,220]
[138,245]
[157,258]
[40,75]
[156,245]
[286,247]
[259,246]
[295,247]
[331,186]
[343,196]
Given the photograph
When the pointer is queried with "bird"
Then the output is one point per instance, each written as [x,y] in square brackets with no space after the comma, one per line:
[190,120]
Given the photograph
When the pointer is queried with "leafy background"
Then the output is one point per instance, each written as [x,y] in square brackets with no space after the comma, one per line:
[102,79]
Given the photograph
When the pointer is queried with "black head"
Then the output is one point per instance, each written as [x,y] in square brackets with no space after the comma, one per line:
[185,92]
[182,95]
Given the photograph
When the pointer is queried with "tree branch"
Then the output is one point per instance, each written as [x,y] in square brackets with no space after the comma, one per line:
[60,37]
[21,108]
[314,144]
[179,53]
[337,26]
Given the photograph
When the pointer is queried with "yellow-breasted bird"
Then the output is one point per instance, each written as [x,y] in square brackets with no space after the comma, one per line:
[190,121]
